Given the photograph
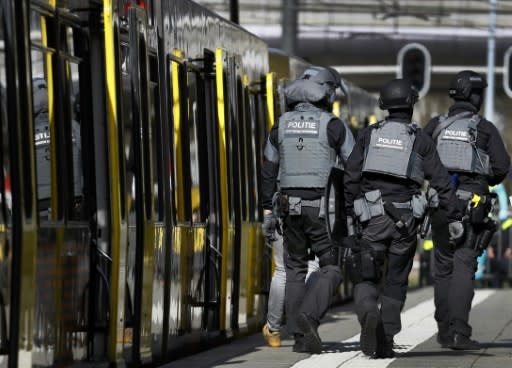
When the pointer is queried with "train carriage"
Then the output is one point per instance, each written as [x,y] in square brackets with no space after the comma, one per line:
[129,207]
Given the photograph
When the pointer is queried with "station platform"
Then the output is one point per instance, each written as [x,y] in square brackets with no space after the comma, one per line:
[416,344]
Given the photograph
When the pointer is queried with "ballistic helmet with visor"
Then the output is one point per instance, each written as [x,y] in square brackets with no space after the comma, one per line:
[398,94]
[466,82]
[325,76]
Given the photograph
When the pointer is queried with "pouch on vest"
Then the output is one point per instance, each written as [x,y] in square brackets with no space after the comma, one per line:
[374,201]
[294,206]
[419,205]
[361,210]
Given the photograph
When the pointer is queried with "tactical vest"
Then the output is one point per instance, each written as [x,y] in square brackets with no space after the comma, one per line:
[390,152]
[305,156]
[456,145]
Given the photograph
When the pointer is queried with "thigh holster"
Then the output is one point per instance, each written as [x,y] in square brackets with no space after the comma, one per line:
[363,266]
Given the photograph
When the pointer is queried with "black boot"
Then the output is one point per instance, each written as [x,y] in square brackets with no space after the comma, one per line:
[299,346]
[461,342]
[311,338]
[372,333]
[385,349]
[444,340]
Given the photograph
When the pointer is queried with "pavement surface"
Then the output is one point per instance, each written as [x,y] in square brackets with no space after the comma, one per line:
[415,345]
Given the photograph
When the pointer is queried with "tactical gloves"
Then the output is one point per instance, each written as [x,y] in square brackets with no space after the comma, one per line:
[269,225]
[456,230]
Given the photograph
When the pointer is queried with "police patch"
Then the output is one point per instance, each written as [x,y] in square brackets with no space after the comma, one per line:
[302,128]
[455,135]
[393,143]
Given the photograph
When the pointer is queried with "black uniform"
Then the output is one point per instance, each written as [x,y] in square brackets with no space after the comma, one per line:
[454,268]
[302,233]
[381,236]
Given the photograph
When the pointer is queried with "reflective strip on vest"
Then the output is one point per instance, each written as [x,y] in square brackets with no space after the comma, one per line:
[456,145]
[305,156]
[390,152]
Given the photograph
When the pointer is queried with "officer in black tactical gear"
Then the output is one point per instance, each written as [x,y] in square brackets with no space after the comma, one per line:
[42,148]
[304,145]
[383,178]
[472,150]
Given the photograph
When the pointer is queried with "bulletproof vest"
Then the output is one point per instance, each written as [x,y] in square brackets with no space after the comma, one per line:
[456,145]
[390,152]
[305,156]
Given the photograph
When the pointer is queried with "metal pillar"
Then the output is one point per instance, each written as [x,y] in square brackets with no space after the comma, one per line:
[234,11]
[491,55]
[289,26]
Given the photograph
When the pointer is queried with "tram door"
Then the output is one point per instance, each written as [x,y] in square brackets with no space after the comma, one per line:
[143,188]
[64,186]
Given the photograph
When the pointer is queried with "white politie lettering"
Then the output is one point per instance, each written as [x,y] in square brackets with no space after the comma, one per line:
[456,133]
[303,124]
[460,135]
[397,142]
[393,143]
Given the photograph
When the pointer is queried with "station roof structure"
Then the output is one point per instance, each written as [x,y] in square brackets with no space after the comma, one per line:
[362,36]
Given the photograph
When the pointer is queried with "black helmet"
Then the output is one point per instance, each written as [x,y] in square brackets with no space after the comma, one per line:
[464,83]
[398,94]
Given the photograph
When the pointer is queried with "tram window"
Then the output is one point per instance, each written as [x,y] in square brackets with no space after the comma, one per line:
[243,148]
[127,147]
[42,137]
[250,154]
[259,133]
[35,28]
[73,100]
[156,140]
[198,156]
[229,101]
[147,5]
[181,147]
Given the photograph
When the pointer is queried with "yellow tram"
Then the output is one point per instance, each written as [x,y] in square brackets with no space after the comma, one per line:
[148,244]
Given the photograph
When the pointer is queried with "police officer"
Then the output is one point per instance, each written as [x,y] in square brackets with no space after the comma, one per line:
[304,145]
[472,150]
[383,178]
[42,148]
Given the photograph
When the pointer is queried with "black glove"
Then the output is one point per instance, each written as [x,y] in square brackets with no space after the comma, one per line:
[456,230]
[269,226]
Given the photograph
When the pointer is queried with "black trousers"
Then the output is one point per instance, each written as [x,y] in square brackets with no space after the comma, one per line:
[303,233]
[454,272]
[397,246]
